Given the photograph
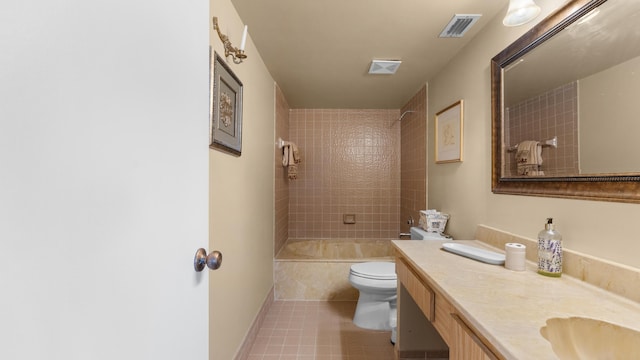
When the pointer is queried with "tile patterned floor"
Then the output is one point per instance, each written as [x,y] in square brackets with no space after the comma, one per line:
[317,330]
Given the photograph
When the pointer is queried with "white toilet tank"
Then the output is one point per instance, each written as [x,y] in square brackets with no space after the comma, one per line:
[421,234]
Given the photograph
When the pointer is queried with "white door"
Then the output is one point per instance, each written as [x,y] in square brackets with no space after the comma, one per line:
[103,179]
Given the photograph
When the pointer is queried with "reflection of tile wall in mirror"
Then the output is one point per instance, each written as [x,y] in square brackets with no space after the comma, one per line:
[553,113]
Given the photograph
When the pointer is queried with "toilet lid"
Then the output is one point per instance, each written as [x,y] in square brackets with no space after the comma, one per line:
[375,270]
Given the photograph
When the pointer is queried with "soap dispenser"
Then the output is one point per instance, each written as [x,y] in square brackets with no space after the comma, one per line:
[549,251]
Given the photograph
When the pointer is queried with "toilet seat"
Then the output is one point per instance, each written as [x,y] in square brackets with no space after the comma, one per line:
[375,270]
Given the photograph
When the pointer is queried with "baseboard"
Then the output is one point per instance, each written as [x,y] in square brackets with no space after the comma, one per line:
[420,355]
[245,349]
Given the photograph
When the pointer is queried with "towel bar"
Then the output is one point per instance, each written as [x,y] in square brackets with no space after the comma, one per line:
[546,143]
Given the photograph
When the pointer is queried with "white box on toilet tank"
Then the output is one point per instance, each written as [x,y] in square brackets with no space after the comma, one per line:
[421,234]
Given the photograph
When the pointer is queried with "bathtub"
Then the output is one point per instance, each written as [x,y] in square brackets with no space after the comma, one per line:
[319,269]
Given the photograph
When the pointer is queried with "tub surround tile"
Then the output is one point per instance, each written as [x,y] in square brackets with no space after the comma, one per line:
[617,278]
[335,249]
[319,269]
[313,281]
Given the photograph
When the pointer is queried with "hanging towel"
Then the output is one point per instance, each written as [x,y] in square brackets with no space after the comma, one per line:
[529,158]
[292,169]
[285,154]
[295,153]
[290,159]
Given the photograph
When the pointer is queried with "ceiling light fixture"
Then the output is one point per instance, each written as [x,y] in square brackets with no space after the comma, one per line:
[520,12]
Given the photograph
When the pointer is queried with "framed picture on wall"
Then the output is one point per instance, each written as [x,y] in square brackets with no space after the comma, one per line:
[449,133]
[226,108]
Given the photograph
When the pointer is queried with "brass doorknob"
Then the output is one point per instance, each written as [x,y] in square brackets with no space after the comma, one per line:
[213,260]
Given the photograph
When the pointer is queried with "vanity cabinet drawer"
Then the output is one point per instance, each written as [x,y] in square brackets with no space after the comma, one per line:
[443,320]
[421,293]
[432,304]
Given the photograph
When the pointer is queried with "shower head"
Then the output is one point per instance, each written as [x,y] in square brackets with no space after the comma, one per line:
[401,116]
[405,113]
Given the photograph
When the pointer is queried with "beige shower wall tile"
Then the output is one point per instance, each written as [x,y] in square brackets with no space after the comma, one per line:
[413,189]
[350,165]
[281,231]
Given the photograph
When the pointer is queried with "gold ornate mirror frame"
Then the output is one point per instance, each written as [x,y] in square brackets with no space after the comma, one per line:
[609,187]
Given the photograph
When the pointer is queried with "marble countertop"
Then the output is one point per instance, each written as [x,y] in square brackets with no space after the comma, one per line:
[509,307]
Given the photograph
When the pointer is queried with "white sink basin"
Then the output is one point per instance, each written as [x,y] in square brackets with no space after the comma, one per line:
[584,338]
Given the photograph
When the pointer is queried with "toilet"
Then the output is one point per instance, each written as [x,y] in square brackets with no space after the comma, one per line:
[377,283]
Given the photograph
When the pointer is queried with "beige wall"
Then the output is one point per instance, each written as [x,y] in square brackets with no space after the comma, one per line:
[601,229]
[241,202]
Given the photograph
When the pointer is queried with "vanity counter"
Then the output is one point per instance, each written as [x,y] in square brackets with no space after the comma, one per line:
[507,307]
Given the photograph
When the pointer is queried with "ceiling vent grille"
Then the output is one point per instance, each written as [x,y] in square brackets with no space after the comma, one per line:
[384,67]
[459,24]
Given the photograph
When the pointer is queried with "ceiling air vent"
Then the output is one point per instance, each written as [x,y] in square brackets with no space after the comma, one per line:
[384,67]
[459,25]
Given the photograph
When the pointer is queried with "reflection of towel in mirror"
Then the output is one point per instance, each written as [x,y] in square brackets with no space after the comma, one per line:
[529,158]
[290,159]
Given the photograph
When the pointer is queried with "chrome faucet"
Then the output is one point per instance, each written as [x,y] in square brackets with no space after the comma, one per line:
[410,223]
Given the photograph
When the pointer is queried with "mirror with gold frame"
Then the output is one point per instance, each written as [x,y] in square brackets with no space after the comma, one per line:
[568,88]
